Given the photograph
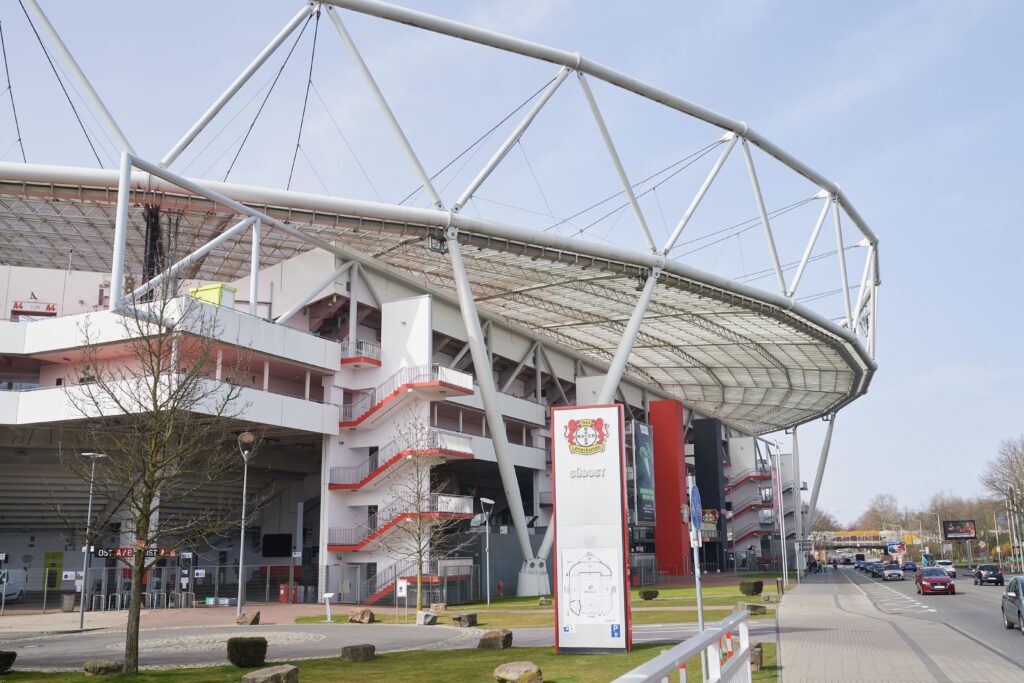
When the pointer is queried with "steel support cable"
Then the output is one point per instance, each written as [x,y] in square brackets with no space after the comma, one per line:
[263,104]
[751,224]
[10,89]
[344,139]
[216,136]
[305,101]
[480,139]
[536,180]
[768,272]
[56,74]
[697,156]
[635,185]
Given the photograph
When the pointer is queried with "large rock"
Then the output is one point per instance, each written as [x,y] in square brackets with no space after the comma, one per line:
[102,667]
[248,619]
[358,653]
[360,615]
[544,602]
[518,672]
[425,619]
[283,673]
[438,607]
[464,620]
[751,607]
[496,640]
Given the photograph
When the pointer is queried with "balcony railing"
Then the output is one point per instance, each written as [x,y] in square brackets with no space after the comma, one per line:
[433,503]
[432,440]
[359,348]
[405,377]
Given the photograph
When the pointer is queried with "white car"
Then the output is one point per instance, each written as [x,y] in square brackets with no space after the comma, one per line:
[12,583]
[947,566]
[892,572]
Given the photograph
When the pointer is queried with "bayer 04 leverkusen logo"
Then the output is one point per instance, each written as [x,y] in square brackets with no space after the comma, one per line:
[586,436]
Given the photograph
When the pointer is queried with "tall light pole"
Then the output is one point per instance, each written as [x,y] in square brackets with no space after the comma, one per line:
[247,447]
[487,541]
[938,527]
[85,547]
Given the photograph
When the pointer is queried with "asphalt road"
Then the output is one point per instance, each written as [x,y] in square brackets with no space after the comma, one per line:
[205,645]
[973,611]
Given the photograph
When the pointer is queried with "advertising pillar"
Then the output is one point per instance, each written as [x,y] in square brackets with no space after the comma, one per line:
[591,544]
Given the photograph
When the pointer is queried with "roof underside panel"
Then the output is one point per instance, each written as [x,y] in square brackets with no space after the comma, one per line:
[756,365]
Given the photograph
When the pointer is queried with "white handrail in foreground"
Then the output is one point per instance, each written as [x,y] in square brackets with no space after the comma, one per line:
[736,668]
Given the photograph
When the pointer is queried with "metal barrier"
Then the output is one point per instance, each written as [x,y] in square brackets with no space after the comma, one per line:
[726,663]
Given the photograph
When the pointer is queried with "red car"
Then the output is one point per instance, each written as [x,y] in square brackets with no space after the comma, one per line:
[934,580]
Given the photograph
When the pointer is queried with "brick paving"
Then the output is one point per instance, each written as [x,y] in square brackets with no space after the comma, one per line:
[830,631]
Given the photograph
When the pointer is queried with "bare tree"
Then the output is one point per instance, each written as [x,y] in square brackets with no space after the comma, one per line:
[426,521]
[1004,474]
[825,521]
[152,405]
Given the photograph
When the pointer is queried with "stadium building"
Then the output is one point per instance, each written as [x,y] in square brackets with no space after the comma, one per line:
[380,336]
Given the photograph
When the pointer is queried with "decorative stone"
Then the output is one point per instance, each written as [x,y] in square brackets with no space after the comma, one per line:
[518,672]
[752,608]
[360,615]
[544,602]
[756,657]
[102,667]
[425,619]
[358,653]
[496,640]
[767,597]
[283,673]
[438,607]
[464,620]
[248,619]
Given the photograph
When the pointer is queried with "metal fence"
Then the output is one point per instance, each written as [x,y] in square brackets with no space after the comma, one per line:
[450,582]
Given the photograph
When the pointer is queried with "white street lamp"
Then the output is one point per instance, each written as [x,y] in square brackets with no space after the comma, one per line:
[247,442]
[85,547]
[487,541]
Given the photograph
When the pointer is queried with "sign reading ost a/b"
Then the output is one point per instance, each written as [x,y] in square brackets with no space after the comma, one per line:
[591,592]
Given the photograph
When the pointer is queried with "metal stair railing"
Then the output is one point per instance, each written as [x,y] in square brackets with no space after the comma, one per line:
[433,439]
[436,502]
[408,375]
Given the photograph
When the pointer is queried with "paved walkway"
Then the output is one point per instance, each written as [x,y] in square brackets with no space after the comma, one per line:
[830,631]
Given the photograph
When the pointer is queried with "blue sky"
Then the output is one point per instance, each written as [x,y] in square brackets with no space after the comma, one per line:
[912,107]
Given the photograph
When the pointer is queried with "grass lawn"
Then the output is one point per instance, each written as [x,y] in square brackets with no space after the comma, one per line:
[453,665]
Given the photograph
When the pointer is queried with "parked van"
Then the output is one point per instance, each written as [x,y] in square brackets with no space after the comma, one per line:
[12,583]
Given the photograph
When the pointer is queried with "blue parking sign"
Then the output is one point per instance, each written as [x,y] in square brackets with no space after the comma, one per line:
[616,632]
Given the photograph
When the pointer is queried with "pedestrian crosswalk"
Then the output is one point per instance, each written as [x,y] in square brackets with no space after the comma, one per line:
[890,600]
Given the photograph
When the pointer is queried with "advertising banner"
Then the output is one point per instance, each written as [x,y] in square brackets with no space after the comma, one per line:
[709,517]
[896,548]
[958,529]
[591,553]
[643,473]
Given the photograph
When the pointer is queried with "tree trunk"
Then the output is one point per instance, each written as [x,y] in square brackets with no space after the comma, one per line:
[419,584]
[131,643]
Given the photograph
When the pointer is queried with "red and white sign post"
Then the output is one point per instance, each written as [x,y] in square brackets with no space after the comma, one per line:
[591,534]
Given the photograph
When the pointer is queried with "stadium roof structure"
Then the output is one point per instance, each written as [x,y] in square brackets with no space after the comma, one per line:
[755,358]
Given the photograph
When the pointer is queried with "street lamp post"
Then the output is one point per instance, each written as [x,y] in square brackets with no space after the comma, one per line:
[85,547]
[487,541]
[246,446]
[938,534]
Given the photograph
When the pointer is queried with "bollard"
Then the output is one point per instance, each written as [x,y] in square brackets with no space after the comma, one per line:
[779,587]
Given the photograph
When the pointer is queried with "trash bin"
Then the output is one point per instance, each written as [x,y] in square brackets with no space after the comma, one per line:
[67,602]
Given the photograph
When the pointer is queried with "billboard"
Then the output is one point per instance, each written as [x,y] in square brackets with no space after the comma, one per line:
[958,529]
[896,548]
[591,552]
[643,473]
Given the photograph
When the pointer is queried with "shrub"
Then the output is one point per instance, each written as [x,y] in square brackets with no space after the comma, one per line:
[102,667]
[7,660]
[751,587]
[247,652]
[648,593]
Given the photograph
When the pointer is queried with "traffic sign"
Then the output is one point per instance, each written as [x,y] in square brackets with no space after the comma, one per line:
[696,509]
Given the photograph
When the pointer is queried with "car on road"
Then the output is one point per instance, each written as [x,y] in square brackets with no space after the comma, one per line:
[934,580]
[892,572]
[909,566]
[1011,607]
[859,564]
[876,569]
[947,566]
[988,573]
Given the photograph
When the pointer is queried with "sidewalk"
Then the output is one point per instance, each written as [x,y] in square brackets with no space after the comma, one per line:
[830,631]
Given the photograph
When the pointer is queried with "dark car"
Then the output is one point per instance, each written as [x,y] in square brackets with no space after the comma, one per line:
[859,564]
[909,566]
[934,580]
[1013,611]
[877,569]
[988,573]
